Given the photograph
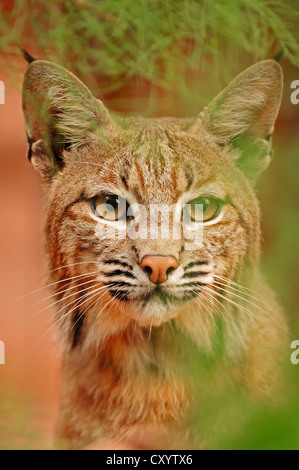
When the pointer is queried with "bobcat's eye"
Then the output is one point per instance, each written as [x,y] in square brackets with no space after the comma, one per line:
[109,207]
[203,209]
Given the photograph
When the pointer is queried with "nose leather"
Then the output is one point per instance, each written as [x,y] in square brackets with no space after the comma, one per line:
[157,266]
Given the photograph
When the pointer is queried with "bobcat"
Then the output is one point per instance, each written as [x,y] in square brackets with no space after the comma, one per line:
[128,307]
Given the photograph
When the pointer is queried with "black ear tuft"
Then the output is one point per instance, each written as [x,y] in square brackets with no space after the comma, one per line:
[279,55]
[27,56]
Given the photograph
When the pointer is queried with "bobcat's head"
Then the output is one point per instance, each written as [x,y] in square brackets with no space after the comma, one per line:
[107,178]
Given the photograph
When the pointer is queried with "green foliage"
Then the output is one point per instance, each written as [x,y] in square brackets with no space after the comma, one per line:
[156,40]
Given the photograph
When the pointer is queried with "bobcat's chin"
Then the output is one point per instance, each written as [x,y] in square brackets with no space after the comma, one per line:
[155,309]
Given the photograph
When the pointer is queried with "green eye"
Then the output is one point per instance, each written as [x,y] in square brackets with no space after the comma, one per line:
[109,207]
[208,209]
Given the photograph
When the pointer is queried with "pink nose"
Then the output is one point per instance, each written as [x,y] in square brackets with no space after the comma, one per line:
[157,267]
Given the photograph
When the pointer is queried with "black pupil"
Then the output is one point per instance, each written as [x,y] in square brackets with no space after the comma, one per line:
[112,201]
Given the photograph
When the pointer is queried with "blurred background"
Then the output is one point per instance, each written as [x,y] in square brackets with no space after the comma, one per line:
[153,58]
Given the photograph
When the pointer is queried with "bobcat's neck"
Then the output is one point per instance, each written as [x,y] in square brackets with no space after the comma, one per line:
[130,378]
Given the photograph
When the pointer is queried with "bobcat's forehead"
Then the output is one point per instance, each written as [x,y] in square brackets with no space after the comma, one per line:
[154,169]
[160,161]
[156,161]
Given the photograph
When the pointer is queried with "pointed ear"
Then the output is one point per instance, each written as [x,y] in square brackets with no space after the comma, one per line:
[60,113]
[242,116]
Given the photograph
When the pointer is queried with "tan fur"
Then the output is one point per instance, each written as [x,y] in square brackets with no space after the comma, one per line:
[123,375]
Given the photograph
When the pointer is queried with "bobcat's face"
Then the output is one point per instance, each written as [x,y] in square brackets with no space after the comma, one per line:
[170,168]
[97,169]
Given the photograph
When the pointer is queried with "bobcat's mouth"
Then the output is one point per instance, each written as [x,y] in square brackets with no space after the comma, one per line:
[159,294]
[165,298]
[155,307]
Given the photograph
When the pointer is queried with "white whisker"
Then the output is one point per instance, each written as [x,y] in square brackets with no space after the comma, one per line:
[64,306]
[57,282]
[229,289]
[60,292]
[95,293]
[226,279]
[215,292]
